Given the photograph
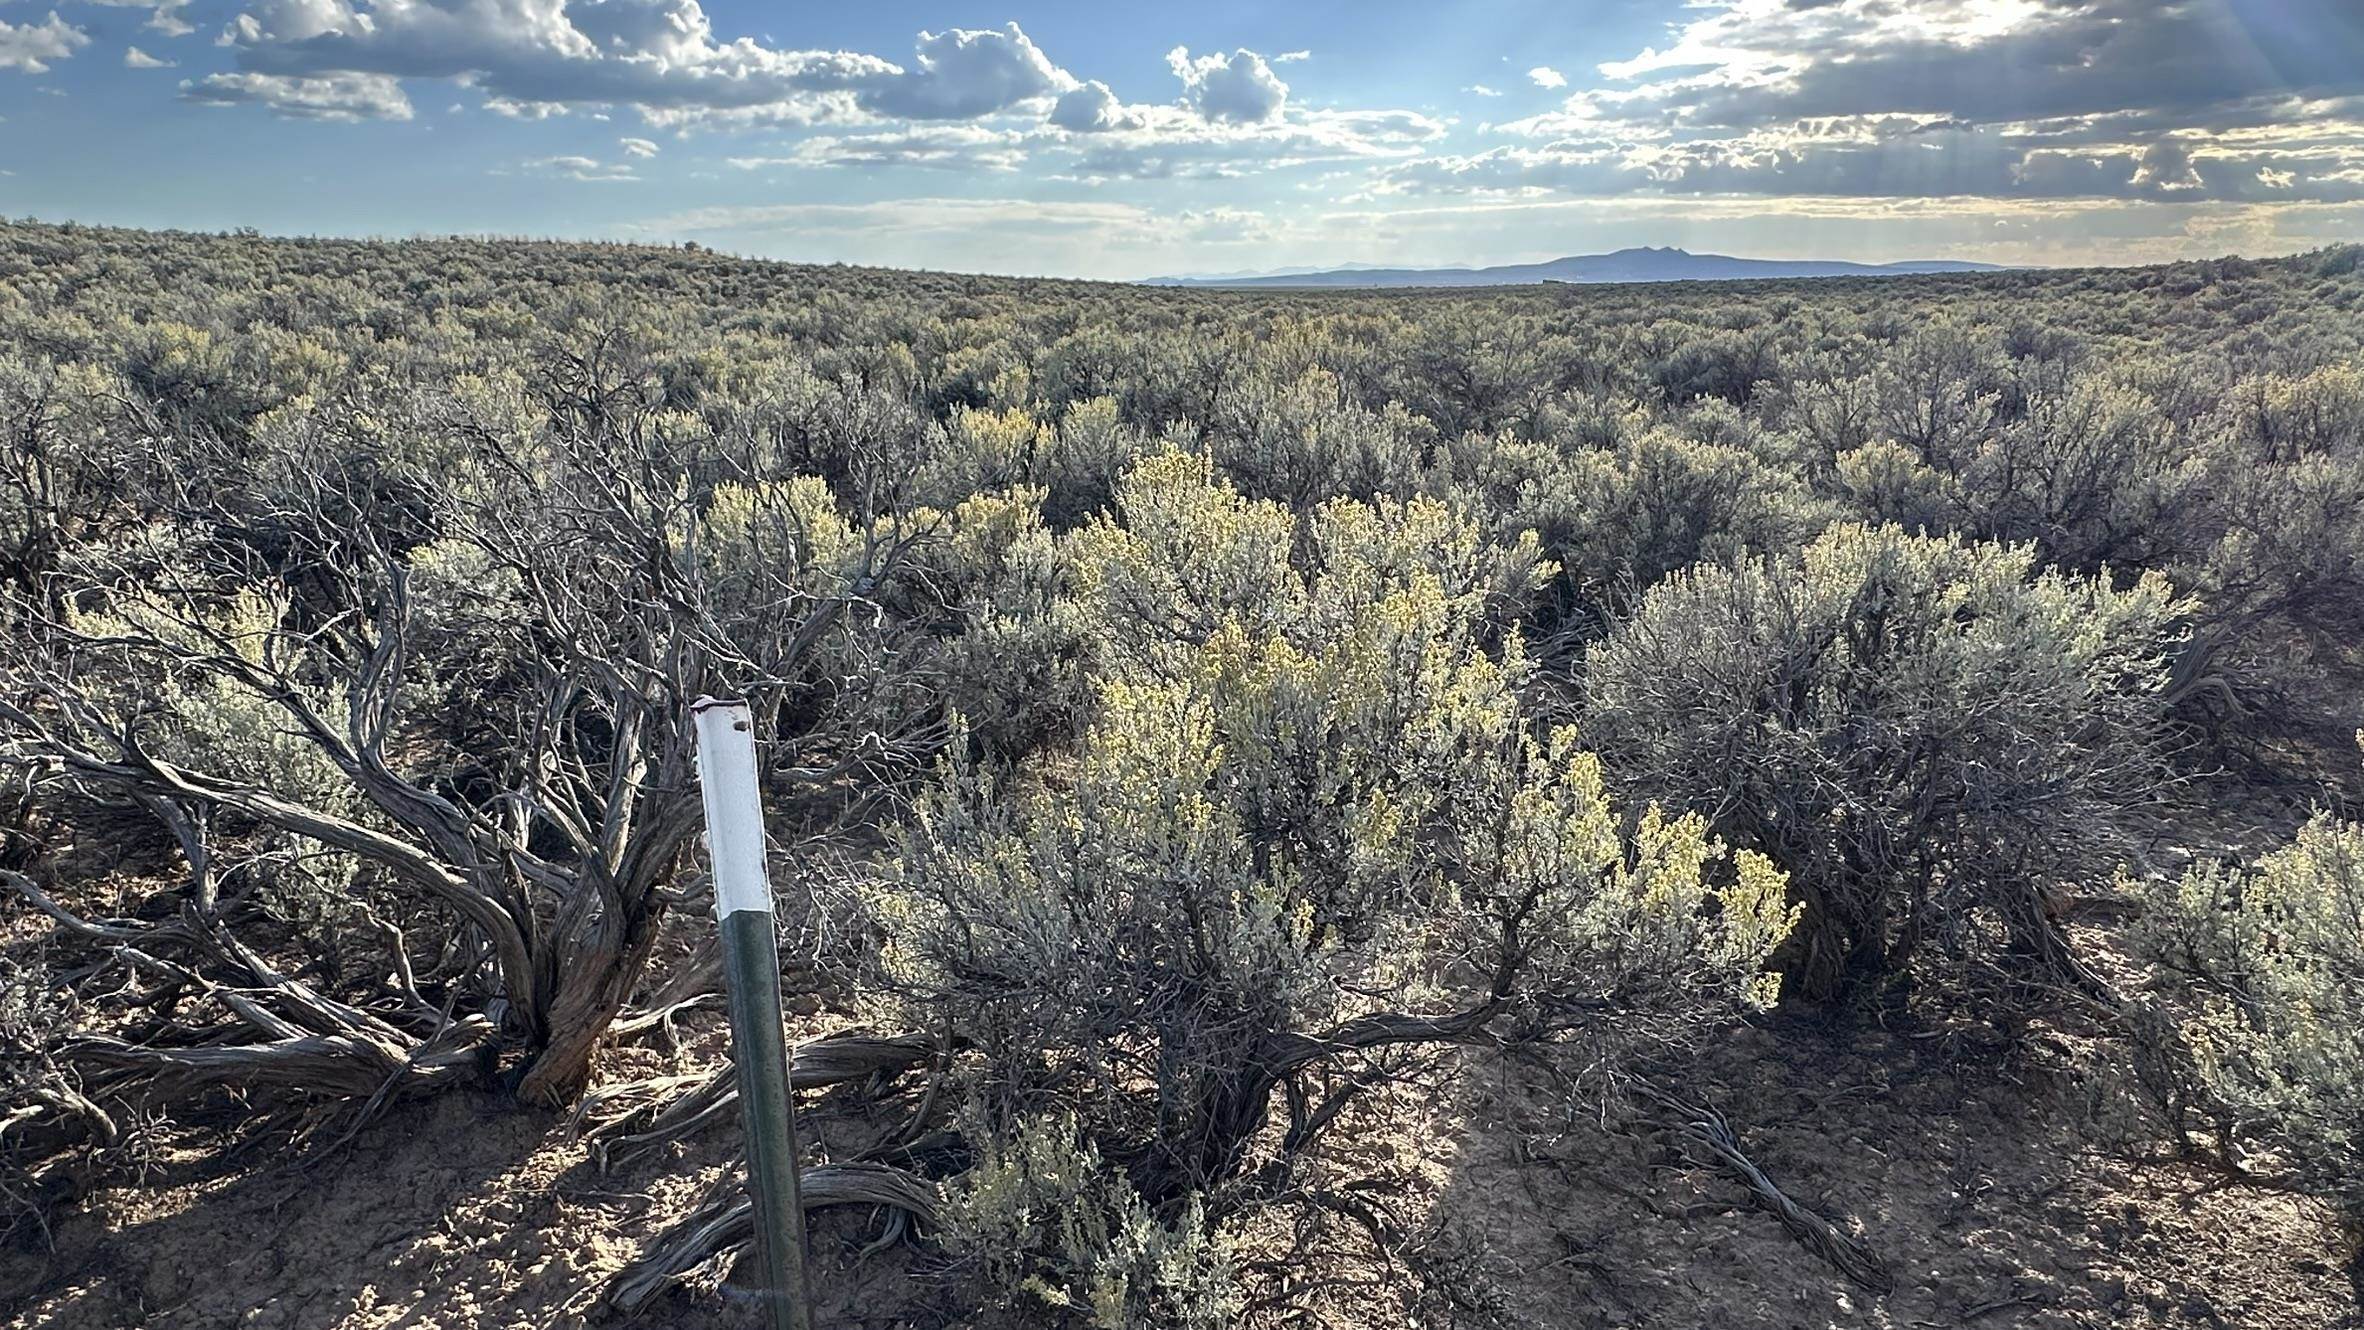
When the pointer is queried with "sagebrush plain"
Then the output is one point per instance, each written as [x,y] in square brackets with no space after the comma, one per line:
[1727,804]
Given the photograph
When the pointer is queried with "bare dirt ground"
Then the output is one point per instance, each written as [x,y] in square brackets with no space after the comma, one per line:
[460,1211]
[1978,1180]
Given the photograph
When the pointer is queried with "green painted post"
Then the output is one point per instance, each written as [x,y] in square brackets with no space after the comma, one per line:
[751,969]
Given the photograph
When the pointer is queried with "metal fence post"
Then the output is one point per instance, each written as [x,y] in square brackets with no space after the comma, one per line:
[751,965]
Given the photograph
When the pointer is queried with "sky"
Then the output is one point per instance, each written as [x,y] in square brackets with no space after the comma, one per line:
[1123,141]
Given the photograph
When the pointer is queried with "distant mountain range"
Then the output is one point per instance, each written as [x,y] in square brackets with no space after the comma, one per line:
[1626,265]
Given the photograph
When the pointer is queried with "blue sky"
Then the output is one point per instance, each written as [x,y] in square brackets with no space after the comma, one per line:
[1099,141]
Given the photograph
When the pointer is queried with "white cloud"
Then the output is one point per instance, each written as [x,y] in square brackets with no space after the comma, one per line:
[985,100]
[164,16]
[1165,141]
[1099,238]
[29,48]
[1880,157]
[1233,119]
[1291,57]
[1088,108]
[589,169]
[509,108]
[1753,62]
[661,56]
[1997,99]
[658,53]
[1129,142]
[1482,90]
[328,97]
[938,147]
[1239,88]
[135,58]
[639,147]
[964,74]
[902,216]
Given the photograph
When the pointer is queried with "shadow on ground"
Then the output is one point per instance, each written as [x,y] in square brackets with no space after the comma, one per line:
[1976,1176]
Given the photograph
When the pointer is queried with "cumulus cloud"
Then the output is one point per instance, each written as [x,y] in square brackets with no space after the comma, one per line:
[344,97]
[2166,165]
[1758,61]
[1239,88]
[661,56]
[1092,137]
[650,52]
[164,16]
[1233,119]
[1088,108]
[982,99]
[961,75]
[639,147]
[30,48]
[509,108]
[135,58]
[1544,76]
[2171,100]
[1896,158]
[1482,90]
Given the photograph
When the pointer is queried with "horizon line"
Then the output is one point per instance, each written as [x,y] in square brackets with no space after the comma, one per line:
[685,245]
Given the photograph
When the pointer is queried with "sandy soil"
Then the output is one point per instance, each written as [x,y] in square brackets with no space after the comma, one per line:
[1977,1179]
[462,1211]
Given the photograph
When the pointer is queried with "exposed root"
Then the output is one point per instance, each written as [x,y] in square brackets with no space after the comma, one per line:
[686,988]
[1706,1128]
[624,1122]
[706,1243]
[311,1043]
[340,1065]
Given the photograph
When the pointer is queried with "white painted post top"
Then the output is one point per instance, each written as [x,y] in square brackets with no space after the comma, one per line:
[734,808]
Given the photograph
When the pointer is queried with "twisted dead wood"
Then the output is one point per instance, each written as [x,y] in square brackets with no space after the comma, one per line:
[1707,1129]
[623,1122]
[710,1237]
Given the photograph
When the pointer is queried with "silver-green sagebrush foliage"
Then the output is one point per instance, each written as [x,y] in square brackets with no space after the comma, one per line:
[1310,821]
[1927,733]
[1047,1232]
[1210,722]
[2264,964]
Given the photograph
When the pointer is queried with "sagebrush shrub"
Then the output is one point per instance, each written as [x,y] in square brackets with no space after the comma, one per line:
[1046,1231]
[1617,520]
[1309,441]
[1016,670]
[202,719]
[1311,817]
[1924,732]
[2264,964]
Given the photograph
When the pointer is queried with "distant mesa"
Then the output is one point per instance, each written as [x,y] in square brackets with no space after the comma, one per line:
[1625,265]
